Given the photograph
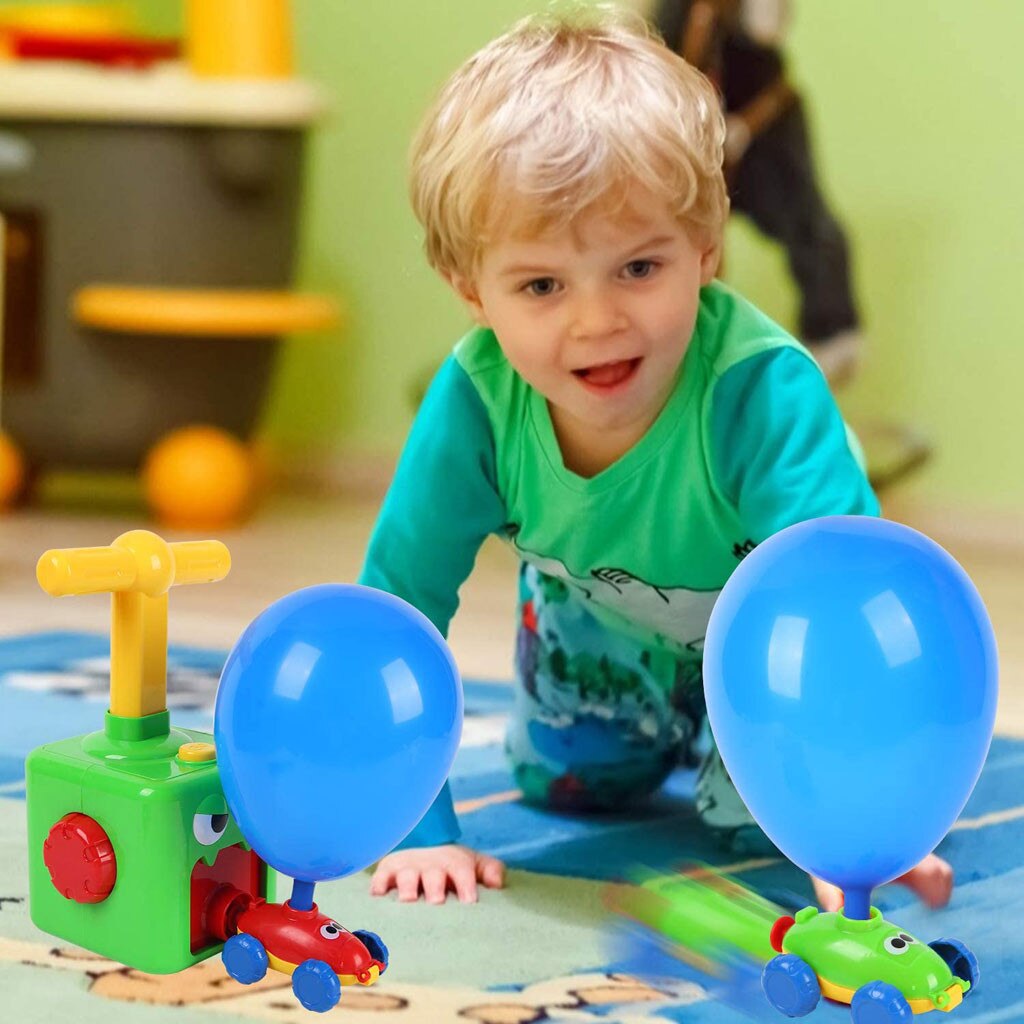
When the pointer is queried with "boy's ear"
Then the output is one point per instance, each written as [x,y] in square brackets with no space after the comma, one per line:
[464,287]
[710,257]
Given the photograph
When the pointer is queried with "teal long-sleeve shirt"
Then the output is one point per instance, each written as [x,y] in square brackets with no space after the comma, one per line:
[750,441]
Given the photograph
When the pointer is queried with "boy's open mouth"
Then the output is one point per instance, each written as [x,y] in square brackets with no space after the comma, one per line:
[608,375]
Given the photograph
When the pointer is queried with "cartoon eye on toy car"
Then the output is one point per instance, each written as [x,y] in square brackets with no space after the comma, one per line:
[881,971]
[320,955]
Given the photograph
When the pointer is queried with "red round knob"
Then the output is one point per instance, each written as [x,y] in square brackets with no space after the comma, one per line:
[80,858]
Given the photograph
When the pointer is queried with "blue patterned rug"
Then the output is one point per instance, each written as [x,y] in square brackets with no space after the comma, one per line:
[537,951]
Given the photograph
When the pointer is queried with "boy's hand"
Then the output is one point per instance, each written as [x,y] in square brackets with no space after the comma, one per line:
[931,880]
[436,871]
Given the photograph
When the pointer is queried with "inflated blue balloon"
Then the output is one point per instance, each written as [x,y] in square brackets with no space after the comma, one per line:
[338,715]
[850,670]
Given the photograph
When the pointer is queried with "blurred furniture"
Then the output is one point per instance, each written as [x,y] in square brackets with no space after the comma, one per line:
[151,215]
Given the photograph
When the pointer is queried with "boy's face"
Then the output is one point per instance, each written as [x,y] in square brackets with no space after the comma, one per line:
[596,317]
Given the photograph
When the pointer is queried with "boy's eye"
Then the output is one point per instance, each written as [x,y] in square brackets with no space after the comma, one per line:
[639,268]
[541,286]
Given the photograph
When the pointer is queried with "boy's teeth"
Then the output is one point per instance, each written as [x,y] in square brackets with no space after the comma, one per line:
[609,373]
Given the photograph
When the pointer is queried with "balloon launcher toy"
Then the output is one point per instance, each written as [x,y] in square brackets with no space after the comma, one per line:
[726,931]
[133,854]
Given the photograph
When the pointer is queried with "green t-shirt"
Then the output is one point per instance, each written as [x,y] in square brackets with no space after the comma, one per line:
[750,441]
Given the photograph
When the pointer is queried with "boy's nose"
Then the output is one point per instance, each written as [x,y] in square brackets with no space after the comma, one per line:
[595,317]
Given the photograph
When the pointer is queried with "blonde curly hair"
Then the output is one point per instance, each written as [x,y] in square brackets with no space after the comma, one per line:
[566,113]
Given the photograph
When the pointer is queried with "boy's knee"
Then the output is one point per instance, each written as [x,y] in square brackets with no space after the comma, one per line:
[586,789]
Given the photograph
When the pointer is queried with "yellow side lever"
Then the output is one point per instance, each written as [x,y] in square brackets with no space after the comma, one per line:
[137,570]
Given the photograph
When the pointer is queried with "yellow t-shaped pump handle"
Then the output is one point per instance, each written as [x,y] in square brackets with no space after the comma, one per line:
[137,570]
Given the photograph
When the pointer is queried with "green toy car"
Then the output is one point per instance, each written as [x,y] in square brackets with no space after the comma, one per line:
[727,931]
[881,971]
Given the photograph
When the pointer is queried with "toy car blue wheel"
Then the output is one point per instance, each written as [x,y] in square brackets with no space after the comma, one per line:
[959,959]
[790,985]
[244,958]
[879,1003]
[316,986]
[375,947]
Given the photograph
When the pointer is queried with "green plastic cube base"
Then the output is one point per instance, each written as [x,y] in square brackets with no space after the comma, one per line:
[130,779]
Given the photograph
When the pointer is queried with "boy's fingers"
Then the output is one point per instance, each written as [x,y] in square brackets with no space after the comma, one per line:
[491,872]
[464,880]
[382,881]
[461,874]
[435,882]
[408,882]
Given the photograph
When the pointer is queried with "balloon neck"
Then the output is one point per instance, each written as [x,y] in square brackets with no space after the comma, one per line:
[302,895]
[857,903]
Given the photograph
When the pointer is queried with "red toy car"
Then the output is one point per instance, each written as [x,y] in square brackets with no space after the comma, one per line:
[315,950]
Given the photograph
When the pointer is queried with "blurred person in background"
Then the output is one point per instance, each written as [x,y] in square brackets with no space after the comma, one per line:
[769,169]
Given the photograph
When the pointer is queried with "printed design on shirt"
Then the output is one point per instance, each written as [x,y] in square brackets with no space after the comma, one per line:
[601,721]
[573,752]
[602,718]
[741,549]
[653,697]
[678,614]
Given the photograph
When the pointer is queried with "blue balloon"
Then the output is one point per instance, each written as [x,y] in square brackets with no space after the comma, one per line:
[337,719]
[850,670]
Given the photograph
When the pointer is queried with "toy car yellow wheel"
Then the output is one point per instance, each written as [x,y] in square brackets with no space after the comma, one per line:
[790,985]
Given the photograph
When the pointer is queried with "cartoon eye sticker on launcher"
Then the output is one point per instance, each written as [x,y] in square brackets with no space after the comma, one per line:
[209,827]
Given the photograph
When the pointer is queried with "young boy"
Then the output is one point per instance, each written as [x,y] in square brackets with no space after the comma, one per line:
[628,425]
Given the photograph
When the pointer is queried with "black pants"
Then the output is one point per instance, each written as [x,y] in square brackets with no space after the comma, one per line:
[775,186]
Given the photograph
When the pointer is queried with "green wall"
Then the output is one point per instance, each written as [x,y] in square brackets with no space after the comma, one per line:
[915,114]
[914,107]
[381,64]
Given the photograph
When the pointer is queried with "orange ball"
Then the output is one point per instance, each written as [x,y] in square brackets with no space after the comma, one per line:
[12,471]
[198,478]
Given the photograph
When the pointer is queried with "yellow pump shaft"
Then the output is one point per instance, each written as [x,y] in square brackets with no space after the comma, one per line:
[138,569]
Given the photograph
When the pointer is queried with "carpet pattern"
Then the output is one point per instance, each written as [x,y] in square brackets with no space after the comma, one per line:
[539,950]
